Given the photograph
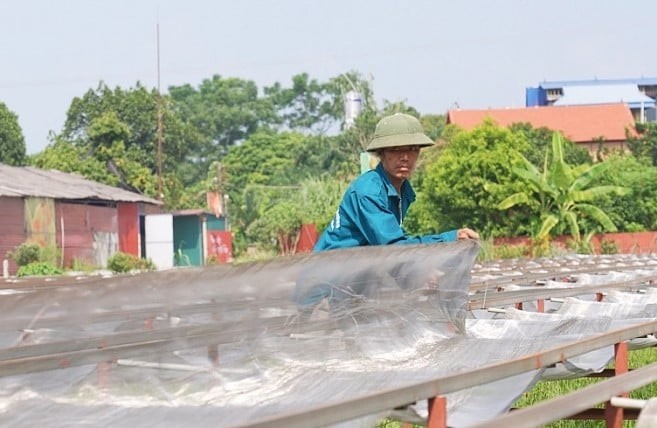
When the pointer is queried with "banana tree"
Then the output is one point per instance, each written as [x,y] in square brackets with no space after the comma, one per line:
[565,194]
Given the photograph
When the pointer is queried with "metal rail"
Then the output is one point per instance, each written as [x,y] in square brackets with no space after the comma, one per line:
[499,298]
[384,400]
[574,402]
[520,277]
[110,347]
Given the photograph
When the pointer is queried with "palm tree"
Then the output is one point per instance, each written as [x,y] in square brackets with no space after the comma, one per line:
[563,194]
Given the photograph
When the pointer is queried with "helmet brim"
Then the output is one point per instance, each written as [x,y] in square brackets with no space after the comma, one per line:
[415,139]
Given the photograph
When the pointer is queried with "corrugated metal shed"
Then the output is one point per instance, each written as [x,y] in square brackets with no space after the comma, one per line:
[642,81]
[587,94]
[199,234]
[35,182]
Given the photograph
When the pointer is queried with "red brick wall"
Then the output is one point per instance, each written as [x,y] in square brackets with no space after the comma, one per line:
[627,242]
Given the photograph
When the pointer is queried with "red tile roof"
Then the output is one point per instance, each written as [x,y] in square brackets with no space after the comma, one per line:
[581,123]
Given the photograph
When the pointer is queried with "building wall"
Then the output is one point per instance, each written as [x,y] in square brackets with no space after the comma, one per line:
[219,246]
[608,146]
[625,242]
[128,220]
[187,238]
[218,240]
[215,223]
[40,221]
[86,233]
[12,228]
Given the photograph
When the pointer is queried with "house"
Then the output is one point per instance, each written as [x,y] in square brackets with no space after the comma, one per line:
[585,125]
[639,94]
[200,236]
[85,221]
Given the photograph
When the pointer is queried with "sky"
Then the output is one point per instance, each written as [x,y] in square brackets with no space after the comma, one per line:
[432,54]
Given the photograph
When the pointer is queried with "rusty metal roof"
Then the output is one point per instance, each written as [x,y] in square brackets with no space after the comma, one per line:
[35,182]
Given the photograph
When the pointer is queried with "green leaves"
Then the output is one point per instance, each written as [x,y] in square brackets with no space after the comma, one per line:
[270,170]
[513,200]
[12,142]
[463,186]
[561,192]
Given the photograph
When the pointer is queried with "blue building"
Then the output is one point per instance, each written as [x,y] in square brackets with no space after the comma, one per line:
[639,94]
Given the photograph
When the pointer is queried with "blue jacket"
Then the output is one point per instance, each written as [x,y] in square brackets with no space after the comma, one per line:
[372,213]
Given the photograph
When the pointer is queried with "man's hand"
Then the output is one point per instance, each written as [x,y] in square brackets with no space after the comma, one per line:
[466,233]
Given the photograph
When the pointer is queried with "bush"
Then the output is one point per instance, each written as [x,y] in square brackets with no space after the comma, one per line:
[25,254]
[38,269]
[489,251]
[123,262]
[81,265]
[505,251]
[608,246]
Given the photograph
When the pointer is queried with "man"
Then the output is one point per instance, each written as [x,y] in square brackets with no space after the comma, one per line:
[372,213]
[373,208]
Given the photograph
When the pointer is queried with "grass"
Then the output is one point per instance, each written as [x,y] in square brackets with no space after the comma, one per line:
[550,389]
[546,390]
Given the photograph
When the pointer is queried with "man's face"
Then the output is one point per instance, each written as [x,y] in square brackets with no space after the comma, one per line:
[399,162]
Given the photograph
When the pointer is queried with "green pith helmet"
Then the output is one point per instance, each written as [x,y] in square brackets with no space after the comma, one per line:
[396,130]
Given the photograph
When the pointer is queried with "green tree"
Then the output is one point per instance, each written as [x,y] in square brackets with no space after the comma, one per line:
[109,162]
[270,167]
[306,105]
[12,142]
[316,107]
[638,209]
[541,145]
[119,130]
[279,225]
[461,183]
[224,111]
[63,156]
[564,195]
[319,199]
[643,144]
[433,125]
[279,211]
[257,173]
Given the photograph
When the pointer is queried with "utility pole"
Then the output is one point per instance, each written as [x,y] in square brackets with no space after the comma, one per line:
[159,120]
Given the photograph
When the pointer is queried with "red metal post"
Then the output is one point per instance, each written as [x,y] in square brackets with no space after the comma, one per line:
[540,305]
[103,370]
[437,413]
[614,415]
[213,348]
[213,354]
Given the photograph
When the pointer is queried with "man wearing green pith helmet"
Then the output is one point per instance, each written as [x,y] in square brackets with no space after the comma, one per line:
[373,207]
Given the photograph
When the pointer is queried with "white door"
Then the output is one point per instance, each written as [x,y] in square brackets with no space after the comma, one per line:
[159,239]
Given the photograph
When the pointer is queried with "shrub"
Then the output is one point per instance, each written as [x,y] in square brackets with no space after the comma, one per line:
[489,251]
[25,254]
[505,251]
[123,262]
[81,265]
[38,269]
[181,259]
[608,247]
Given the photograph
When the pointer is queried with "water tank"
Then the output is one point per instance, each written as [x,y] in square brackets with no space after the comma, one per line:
[353,105]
